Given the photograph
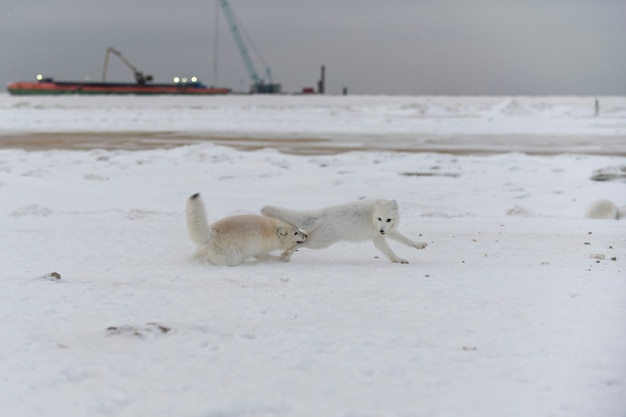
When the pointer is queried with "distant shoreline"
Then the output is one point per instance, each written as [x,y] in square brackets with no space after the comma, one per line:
[543,144]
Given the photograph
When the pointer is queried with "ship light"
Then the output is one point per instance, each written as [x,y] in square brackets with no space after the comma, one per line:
[39,77]
[194,79]
[184,79]
[176,80]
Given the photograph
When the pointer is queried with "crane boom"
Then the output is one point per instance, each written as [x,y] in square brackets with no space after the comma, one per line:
[139,76]
[258,84]
[243,51]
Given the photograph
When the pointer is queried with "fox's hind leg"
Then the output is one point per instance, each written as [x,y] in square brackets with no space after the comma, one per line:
[300,219]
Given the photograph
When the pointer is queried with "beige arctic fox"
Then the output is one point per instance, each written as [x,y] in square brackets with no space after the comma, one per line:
[372,220]
[234,239]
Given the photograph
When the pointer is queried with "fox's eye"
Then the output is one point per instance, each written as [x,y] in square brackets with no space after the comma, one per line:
[388,220]
[380,220]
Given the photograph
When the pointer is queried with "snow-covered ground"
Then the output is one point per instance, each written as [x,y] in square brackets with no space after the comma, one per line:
[516,308]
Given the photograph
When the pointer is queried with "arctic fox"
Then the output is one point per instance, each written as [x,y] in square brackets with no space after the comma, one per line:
[605,209]
[361,220]
[234,239]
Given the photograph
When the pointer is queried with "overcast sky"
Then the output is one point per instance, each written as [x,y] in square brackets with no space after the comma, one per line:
[369,46]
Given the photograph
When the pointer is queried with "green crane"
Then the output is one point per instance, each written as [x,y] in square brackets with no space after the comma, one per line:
[258,84]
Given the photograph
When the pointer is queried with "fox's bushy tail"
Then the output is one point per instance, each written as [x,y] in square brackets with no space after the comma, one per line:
[197,225]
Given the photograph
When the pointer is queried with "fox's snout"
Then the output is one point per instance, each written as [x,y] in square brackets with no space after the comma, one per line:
[303,237]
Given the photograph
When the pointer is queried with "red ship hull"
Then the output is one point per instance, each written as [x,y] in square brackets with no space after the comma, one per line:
[92,88]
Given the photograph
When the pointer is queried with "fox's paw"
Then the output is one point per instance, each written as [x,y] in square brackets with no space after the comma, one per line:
[420,245]
[286,255]
[399,261]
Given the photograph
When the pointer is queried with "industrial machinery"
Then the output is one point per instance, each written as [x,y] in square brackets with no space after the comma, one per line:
[259,85]
[142,84]
[139,76]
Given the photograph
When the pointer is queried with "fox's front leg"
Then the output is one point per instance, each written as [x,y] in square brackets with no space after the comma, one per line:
[399,237]
[382,246]
[286,255]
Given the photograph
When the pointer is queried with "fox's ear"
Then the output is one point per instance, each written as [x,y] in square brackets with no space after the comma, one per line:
[281,232]
[394,204]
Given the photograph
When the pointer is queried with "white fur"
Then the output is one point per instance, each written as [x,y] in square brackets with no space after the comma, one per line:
[602,209]
[361,220]
[234,239]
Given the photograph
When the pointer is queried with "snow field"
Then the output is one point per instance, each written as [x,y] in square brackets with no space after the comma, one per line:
[502,314]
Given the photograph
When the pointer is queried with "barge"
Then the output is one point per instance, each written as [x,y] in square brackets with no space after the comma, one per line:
[142,85]
[47,86]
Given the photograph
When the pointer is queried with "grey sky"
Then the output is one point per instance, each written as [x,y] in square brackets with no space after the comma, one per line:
[368,46]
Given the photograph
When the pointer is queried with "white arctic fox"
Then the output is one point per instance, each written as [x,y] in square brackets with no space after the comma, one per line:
[234,239]
[602,209]
[605,209]
[361,220]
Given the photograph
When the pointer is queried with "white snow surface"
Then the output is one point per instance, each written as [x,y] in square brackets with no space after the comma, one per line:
[314,115]
[516,308]
[527,124]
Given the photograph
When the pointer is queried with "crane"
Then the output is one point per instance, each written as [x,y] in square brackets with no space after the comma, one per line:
[258,84]
[139,76]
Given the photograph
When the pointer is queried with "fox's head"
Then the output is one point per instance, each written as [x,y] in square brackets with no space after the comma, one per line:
[291,235]
[386,216]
